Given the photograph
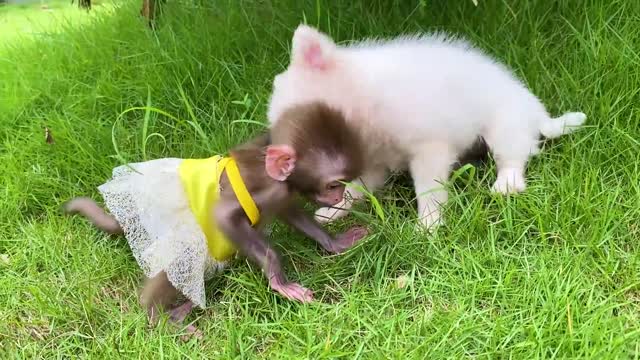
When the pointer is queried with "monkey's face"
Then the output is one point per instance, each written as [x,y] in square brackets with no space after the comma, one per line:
[323,181]
[330,193]
[315,151]
[325,189]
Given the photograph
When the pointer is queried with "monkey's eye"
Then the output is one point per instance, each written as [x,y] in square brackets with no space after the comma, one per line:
[334,185]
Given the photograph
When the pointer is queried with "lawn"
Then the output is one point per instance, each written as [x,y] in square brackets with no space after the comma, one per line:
[553,272]
[33,18]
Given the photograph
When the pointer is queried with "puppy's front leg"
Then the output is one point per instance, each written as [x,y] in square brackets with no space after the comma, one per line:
[430,167]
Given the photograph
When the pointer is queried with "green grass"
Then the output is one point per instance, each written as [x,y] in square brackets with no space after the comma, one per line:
[554,272]
[19,22]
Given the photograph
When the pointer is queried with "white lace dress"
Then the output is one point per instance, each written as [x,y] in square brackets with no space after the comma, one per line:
[149,202]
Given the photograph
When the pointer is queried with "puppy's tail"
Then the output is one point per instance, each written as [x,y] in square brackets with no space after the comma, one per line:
[569,122]
[88,208]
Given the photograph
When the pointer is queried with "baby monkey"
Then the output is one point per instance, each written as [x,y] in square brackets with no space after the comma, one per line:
[184,218]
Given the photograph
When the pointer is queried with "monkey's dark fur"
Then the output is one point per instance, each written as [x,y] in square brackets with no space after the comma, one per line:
[325,152]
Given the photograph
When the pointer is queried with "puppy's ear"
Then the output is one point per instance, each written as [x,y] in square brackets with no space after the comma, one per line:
[280,160]
[312,49]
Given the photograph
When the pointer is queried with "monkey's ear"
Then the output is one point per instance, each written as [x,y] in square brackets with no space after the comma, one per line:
[311,48]
[280,160]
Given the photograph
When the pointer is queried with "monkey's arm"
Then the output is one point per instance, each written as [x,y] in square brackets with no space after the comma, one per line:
[252,244]
[295,216]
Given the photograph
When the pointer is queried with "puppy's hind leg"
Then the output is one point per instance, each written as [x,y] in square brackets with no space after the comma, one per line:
[511,148]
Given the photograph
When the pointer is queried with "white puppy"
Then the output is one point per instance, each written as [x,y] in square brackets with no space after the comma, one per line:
[420,102]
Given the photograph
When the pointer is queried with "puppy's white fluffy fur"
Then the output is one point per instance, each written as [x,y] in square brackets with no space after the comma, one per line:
[419,102]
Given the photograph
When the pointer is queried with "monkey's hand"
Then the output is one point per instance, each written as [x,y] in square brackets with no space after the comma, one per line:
[348,239]
[297,218]
[253,244]
[290,290]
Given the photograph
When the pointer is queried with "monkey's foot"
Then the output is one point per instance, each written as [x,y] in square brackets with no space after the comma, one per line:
[177,316]
[292,291]
[191,332]
[348,239]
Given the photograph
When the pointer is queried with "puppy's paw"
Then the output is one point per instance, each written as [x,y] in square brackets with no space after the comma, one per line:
[509,182]
[326,215]
[429,223]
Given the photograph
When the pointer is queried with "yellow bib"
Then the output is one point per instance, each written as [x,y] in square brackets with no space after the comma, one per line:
[201,181]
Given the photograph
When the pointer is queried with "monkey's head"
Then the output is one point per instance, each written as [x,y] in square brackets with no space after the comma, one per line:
[315,151]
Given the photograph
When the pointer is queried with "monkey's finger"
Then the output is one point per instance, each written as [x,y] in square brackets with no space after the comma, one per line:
[303,294]
[359,232]
[359,229]
[354,234]
[192,332]
[293,291]
[308,296]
